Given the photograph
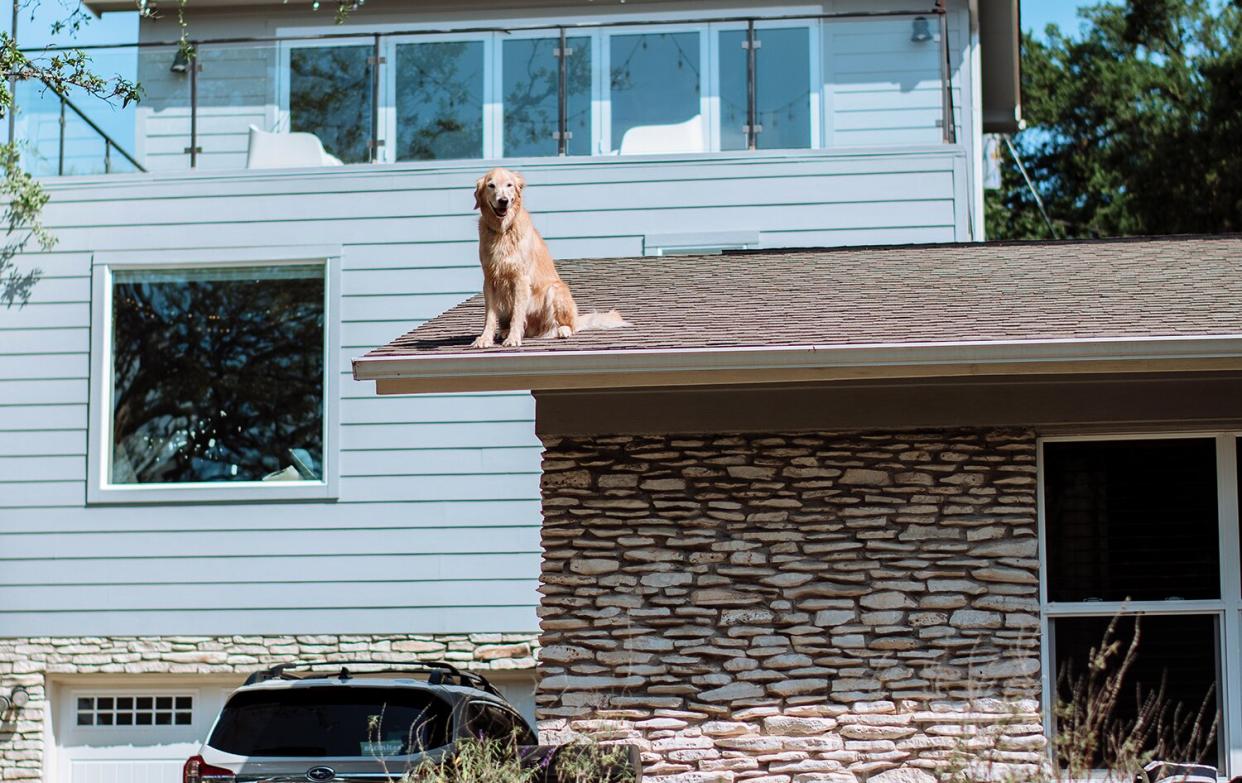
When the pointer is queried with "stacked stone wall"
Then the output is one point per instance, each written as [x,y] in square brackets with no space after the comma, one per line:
[31,662]
[795,608]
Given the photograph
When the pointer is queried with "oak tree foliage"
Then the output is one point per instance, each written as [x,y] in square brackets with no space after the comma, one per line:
[1133,124]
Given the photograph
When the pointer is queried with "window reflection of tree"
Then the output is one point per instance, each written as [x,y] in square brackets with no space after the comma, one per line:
[439,100]
[330,96]
[530,101]
[215,380]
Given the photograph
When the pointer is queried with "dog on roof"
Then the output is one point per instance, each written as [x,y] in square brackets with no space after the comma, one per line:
[521,289]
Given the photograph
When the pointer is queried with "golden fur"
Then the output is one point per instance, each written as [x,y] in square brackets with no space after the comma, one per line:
[519,276]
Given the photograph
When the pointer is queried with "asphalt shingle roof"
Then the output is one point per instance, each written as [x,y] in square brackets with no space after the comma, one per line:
[1177,286]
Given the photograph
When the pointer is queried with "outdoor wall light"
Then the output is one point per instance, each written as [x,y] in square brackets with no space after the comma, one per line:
[16,698]
[922,30]
[180,63]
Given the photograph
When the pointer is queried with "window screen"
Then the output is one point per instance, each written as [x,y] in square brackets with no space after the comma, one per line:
[217,375]
[1133,519]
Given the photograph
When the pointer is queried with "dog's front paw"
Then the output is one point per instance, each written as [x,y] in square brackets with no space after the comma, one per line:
[512,341]
[564,332]
[482,341]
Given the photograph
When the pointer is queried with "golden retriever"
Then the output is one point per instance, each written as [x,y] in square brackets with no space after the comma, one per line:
[520,283]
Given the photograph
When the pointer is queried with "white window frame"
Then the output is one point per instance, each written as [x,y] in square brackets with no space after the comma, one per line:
[133,693]
[99,489]
[1227,609]
[815,81]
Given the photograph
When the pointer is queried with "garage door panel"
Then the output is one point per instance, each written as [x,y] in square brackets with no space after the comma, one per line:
[136,734]
[167,770]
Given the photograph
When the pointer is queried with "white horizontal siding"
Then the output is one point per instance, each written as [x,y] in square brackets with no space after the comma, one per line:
[301,619]
[289,518]
[412,567]
[436,523]
[884,89]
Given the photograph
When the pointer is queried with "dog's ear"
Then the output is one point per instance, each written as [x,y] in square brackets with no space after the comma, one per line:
[478,192]
[519,181]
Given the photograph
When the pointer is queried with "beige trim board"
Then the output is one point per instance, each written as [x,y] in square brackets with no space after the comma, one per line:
[1048,404]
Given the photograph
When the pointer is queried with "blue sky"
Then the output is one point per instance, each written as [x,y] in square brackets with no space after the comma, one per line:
[1037,14]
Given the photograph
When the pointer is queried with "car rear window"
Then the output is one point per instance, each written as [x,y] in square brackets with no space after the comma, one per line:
[331,721]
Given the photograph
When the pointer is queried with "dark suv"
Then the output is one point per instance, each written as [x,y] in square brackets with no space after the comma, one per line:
[323,722]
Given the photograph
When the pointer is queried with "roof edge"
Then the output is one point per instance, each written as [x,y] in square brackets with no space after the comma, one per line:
[543,370]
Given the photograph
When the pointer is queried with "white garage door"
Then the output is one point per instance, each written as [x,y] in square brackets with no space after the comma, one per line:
[132,735]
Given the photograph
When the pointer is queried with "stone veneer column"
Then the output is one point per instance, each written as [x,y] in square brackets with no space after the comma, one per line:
[31,661]
[795,608]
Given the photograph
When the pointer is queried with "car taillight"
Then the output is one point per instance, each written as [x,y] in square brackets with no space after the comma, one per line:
[198,771]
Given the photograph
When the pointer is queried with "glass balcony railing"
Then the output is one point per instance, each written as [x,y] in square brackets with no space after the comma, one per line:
[621,88]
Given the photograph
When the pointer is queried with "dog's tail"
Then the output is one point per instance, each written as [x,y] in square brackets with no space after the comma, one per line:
[609,320]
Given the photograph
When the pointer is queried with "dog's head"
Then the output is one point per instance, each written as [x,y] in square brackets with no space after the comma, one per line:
[498,195]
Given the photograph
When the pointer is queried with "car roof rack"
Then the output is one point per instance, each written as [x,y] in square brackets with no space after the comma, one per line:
[438,673]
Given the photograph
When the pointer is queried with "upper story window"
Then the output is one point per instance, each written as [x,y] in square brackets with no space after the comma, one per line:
[615,91]
[212,379]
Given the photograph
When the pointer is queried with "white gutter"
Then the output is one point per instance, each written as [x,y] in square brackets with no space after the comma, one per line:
[551,369]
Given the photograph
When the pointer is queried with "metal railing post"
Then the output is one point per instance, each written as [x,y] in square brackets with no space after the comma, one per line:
[107,156]
[752,110]
[194,107]
[946,76]
[60,156]
[377,60]
[65,103]
[562,97]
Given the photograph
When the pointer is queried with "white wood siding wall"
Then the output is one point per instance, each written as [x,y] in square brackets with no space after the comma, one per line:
[436,528]
[883,89]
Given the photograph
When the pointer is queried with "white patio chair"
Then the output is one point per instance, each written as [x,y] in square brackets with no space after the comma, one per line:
[286,150]
[653,139]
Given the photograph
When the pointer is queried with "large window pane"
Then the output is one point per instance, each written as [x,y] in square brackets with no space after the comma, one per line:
[655,83]
[1131,519]
[217,375]
[1176,661]
[782,88]
[332,721]
[330,96]
[439,100]
[531,84]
